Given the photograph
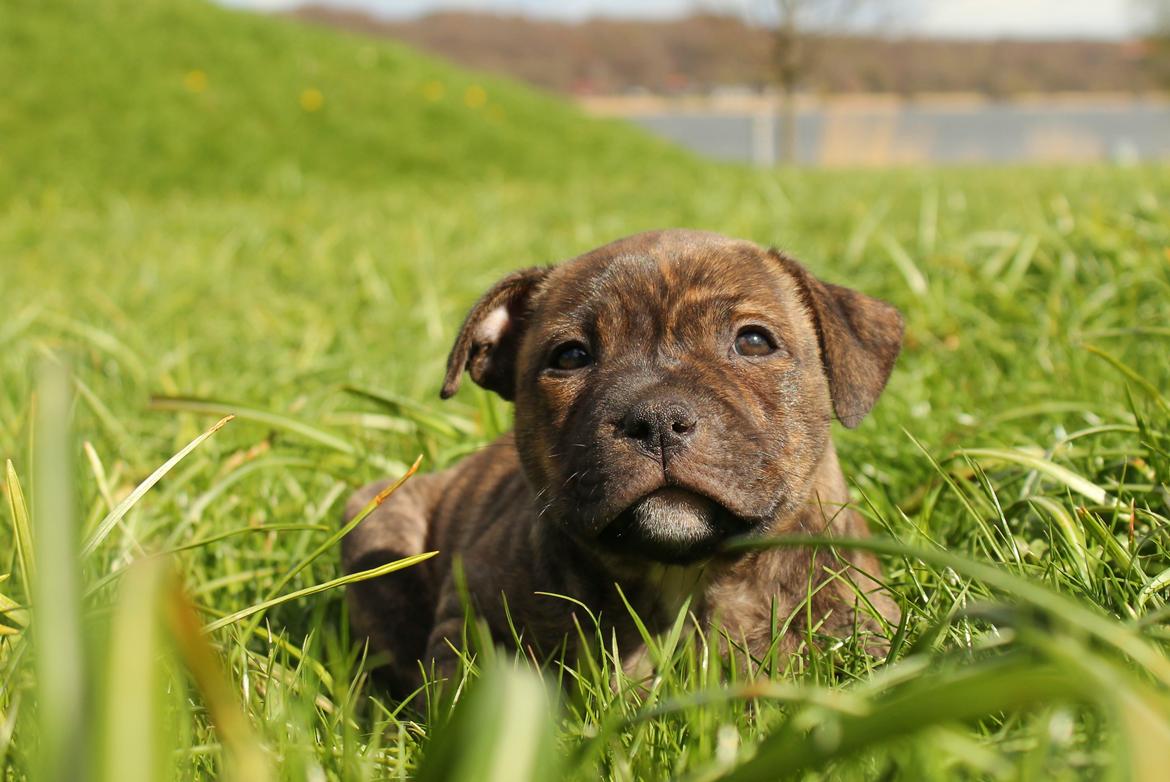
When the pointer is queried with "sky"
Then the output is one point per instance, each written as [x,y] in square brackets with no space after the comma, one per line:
[983,18]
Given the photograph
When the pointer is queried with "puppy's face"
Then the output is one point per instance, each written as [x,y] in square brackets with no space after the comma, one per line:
[671,388]
[670,395]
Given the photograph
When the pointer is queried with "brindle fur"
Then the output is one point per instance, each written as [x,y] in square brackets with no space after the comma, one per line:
[659,312]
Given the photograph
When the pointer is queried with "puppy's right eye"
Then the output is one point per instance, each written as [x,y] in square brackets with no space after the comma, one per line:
[571,355]
[753,342]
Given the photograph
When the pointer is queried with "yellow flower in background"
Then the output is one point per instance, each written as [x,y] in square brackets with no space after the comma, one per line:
[434,91]
[475,96]
[195,81]
[312,99]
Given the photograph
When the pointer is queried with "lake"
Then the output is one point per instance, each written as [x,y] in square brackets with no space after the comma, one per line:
[881,131]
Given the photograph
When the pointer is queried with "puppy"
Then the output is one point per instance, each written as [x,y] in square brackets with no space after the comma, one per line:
[672,390]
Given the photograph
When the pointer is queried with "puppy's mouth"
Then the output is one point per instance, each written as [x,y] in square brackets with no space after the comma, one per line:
[673,526]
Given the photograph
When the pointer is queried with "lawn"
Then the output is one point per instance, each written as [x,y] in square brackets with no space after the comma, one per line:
[205,213]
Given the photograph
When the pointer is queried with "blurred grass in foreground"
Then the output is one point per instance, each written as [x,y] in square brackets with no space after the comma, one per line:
[308,281]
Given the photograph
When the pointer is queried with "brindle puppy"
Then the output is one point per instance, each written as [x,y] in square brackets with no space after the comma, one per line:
[672,389]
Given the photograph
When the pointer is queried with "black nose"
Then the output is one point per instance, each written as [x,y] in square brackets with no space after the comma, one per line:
[660,426]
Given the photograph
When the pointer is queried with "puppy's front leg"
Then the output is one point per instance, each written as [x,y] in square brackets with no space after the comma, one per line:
[440,658]
[395,611]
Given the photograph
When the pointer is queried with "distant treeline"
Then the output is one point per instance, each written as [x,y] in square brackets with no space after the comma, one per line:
[705,51]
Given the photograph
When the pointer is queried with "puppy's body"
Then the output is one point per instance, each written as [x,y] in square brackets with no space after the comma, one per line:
[672,390]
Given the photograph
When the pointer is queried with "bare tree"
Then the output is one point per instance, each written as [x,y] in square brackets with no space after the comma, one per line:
[801,28]
[1153,22]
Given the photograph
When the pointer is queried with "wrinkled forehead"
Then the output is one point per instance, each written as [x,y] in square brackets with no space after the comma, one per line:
[627,286]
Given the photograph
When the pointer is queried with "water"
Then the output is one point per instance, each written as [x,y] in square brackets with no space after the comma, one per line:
[971,132]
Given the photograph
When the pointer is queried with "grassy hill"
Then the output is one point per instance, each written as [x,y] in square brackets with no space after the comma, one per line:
[158,95]
[194,232]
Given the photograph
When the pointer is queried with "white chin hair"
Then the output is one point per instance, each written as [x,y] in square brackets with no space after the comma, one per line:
[675,515]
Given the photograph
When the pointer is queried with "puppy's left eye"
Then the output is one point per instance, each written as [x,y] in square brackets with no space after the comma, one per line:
[753,342]
[572,355]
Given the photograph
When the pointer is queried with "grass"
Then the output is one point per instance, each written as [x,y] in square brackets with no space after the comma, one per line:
[203,101]
[193,253]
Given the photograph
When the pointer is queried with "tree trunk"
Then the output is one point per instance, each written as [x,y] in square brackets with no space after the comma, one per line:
[788,73]
[788,123]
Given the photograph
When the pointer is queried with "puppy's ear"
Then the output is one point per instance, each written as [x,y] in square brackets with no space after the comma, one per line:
[490,336]
[860,338]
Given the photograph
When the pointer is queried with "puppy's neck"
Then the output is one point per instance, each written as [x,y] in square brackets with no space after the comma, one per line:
[658,592]
[655,591]
[674,584]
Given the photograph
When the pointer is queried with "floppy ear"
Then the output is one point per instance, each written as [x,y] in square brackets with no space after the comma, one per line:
[860,338]
[490,336]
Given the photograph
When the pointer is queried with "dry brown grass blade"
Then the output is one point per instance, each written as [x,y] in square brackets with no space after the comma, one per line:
[247,760]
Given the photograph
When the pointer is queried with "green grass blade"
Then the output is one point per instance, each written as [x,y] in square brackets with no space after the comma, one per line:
[1142,716]
[1155,585]
[231,533]
[117,573]
[1078,484]
[316,434]
[135,747]
[11,612]
[502,731]
[62,688]
[972,692]
[16,324]
[352,578]
[101,340]
[1110,633]
[21,529]
[440,423]
[647,637]
[1072,532]
[106,525]
[99,474]
[1133,376]
[914,277]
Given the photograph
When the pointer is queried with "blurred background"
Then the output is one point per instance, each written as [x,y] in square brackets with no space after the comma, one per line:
[820,82]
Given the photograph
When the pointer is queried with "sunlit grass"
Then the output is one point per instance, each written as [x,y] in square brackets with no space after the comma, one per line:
[171,601]
[1025,428]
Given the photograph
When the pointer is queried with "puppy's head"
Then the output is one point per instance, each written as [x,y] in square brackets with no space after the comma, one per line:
[675,388]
